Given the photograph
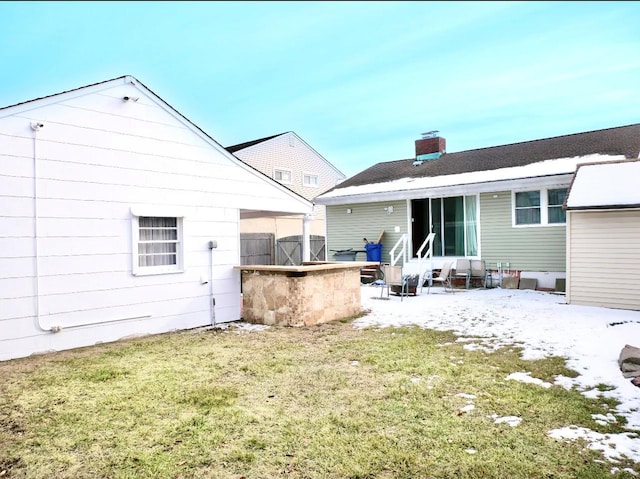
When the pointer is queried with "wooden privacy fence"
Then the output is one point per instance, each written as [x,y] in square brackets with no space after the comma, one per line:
[264,249]
[289,250]
[257,248]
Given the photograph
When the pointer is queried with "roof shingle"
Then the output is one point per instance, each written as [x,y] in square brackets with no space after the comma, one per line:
[624,140]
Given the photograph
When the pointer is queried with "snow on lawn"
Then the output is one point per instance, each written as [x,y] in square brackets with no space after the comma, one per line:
[543,325]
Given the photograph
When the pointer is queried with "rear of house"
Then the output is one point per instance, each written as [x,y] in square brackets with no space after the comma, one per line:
[501,204]
[603,236]
[118,217]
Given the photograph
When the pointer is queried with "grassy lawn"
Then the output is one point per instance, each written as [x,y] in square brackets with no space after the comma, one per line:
[321,402]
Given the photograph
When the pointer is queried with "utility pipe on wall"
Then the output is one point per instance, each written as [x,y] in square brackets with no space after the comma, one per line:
[212,301]
[306,238]
[35,127]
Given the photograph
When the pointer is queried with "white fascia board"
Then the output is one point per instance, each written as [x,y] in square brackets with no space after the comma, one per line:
[454,190]
[340,173]
[36,103]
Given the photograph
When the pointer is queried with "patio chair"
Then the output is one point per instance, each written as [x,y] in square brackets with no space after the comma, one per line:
[444,277]
[479,271]
[393,277]
[463,270]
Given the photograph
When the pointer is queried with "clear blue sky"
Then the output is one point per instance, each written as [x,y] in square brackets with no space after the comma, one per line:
[359,81]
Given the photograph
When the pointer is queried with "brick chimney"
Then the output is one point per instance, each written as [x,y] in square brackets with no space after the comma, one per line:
[430,147]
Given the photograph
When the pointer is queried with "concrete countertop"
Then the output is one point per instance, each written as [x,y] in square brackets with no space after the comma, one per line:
[308,267]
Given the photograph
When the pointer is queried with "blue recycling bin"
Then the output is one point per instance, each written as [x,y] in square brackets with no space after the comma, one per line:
[374,251]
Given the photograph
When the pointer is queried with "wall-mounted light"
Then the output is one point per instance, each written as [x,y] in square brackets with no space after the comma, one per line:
[349,210]
[388,209]
[130,98]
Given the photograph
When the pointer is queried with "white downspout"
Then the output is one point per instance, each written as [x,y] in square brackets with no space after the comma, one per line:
[306,238]
[212,301]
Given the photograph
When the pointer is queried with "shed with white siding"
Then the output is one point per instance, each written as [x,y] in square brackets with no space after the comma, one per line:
[119,217]
[603,235]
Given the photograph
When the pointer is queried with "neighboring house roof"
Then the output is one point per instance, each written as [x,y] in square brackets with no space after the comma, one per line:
[285,160]
[518,160]
[609,185]
[247,144]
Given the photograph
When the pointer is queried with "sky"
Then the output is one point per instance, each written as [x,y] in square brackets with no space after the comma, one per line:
[543,325]
[358,81]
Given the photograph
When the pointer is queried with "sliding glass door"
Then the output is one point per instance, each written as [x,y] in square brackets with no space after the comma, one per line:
[454,221]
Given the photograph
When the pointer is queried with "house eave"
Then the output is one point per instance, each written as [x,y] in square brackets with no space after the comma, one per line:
[451,190]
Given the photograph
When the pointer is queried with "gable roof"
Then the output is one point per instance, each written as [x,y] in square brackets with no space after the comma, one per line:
[128,79]
[624,140]
[608,185]
[241,146]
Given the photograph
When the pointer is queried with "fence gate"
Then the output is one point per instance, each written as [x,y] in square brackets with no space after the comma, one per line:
[257,248]
[289,250]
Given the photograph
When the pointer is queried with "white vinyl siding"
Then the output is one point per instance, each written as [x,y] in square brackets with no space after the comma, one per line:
[291,153]
[603,259]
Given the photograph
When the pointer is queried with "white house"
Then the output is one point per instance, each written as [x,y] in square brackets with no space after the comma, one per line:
[603,235]
[119,217]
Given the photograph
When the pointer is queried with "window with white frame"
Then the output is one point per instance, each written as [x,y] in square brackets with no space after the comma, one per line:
[157,244]
[309,179]
[539,207]
[283,176]
[555,200]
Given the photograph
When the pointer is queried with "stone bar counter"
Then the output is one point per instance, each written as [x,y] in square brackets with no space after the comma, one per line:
[305,295]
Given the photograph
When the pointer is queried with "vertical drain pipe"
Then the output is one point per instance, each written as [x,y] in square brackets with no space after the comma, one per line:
[212,301]
[35,127]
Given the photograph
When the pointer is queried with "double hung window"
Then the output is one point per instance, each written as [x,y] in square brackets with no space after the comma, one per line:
[539,207]
[157,244]
[309,179]
[283,176]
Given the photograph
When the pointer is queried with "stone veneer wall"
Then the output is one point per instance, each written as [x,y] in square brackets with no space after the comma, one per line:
[300,298]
